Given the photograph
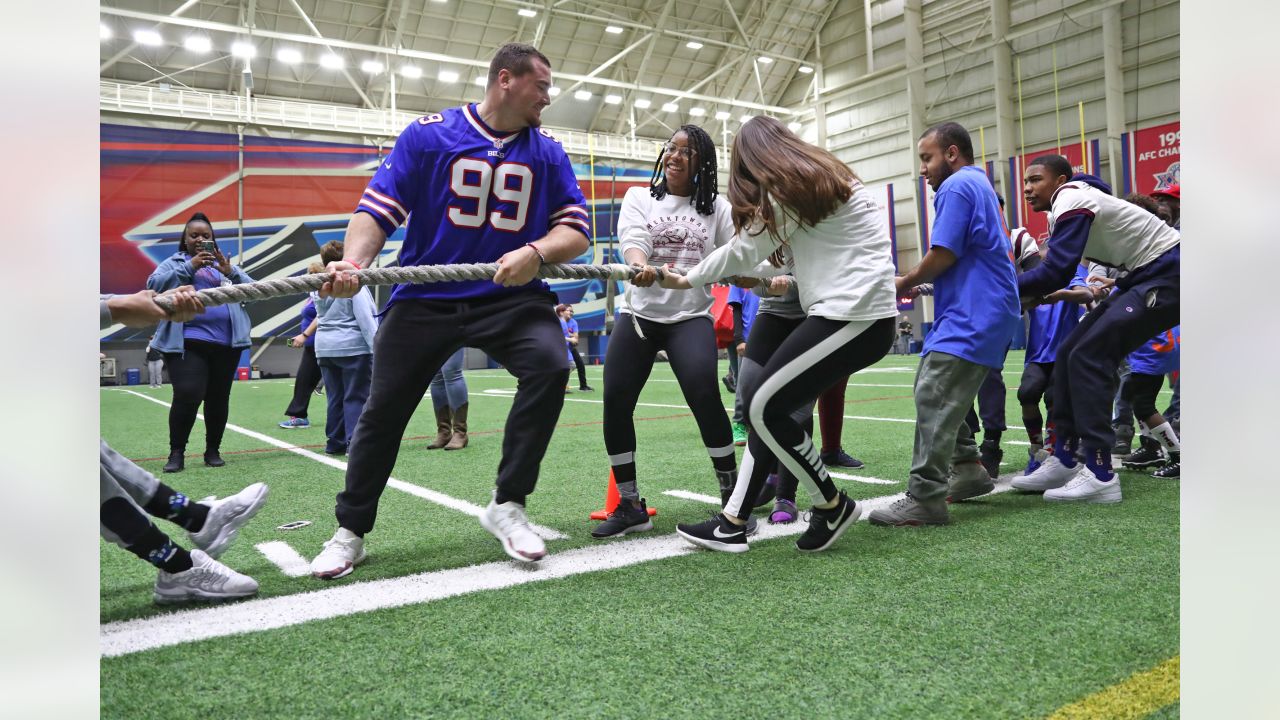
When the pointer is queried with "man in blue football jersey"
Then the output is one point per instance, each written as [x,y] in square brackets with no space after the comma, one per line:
[477,183]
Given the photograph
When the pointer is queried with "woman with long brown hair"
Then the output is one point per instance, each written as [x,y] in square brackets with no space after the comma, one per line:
[801,208]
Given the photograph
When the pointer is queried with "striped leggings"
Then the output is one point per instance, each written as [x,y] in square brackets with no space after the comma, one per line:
[798,365]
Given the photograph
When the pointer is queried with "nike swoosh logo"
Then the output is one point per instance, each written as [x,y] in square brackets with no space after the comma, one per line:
[721,535]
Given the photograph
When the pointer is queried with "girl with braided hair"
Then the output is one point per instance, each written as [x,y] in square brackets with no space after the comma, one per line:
[677,220]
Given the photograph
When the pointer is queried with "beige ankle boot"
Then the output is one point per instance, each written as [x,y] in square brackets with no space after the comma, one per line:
[444,428]
[459,439]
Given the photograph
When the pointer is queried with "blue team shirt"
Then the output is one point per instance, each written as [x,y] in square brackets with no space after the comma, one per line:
[976,308]
[308,314]
[564,327]
[214,324]
[750,303]
[1051,324]
[1159,356]
[470,194]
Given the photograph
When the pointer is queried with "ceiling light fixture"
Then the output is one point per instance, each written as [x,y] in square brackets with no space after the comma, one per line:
[642,103]
[526,12]
[806,69]
[332,61]
[289,56]
[693,45]
[670,107]
[613,29]
[147,37]
[582,95]
[198,44]
[243,49]
[373,67]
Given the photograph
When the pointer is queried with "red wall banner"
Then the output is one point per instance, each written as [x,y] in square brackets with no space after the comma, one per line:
[1037,223]
[1153,158]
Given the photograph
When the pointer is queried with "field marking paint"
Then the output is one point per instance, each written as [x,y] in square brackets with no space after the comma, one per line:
[132,636]
[427,494]
[696,497]
[283,556]
[861,478]
[1137,696]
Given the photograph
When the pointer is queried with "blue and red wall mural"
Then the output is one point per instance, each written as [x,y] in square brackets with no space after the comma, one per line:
[296,195]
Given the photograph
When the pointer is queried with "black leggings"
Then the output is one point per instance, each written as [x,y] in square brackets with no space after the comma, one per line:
[691,349]
[201,374]
[305,383]
[1140,391]
[1037,378]
[798,367]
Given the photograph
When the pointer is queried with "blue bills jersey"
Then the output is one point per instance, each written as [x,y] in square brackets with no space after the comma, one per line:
[1160,355]
[470,195]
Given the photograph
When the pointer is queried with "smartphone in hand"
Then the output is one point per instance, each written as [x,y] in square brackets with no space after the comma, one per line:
[209,246]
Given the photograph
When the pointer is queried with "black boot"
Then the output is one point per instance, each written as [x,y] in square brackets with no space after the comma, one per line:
[991,455]
[213,459]
[176,461]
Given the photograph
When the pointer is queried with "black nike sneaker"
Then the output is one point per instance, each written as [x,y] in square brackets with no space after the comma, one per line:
[991,455]
[626,518]
[716,534]
[826,526]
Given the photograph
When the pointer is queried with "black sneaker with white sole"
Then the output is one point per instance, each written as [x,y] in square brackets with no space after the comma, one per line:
[826,526]
[715,534]
[1150,454]
[626,518]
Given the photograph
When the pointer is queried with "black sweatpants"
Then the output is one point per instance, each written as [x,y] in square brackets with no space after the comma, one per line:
[203,373]
[582,369]
[305,383]
[1037,379]
[691,349]
[1144,304]
[416,337]
[798,367]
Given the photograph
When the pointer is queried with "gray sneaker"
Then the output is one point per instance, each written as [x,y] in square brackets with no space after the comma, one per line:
[969,480]
[626,518]
[207,580]
[909,511]
[226,517]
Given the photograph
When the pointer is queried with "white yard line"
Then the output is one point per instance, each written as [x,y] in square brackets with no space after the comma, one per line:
[133,636]
[428,494]
[861,478]
[285,557]
[696,497]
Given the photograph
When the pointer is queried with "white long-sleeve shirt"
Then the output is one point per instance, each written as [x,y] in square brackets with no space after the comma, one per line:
[671,231]
[843,265]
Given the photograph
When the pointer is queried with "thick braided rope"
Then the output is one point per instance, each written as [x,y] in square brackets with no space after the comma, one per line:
[299,284]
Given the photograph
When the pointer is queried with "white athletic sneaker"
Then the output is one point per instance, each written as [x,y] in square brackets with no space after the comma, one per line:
[1084,487]
[341,554]
[226,517]
[1050,475]
[207,579]
[508,523]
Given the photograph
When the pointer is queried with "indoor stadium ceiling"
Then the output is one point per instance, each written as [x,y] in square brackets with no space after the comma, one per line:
[727,58]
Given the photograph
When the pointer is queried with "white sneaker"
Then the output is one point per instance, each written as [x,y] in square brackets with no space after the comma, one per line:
[340,556]
[1084,487]
[207,579]
[508,523]
[226,517]
[1050,475]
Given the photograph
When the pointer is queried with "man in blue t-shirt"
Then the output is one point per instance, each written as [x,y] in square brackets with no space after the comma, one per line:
[976,312]
[480,183]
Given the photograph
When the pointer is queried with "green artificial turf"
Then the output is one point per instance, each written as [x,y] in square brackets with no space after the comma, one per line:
[1017,608]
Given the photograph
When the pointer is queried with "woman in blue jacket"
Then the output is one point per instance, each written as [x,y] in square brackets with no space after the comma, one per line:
[201,354]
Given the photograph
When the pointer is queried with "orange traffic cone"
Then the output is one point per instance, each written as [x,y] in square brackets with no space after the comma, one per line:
[611,499]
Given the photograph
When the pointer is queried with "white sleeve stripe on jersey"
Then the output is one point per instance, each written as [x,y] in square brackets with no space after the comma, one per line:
[386,201]
[572,221]
[569,209]
[390,218]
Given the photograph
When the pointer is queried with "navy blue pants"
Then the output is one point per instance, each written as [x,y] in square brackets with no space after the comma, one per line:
[346,388]
[991,398]
[1143,305]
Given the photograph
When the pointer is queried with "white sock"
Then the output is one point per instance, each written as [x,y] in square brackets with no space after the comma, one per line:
[1167,437]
